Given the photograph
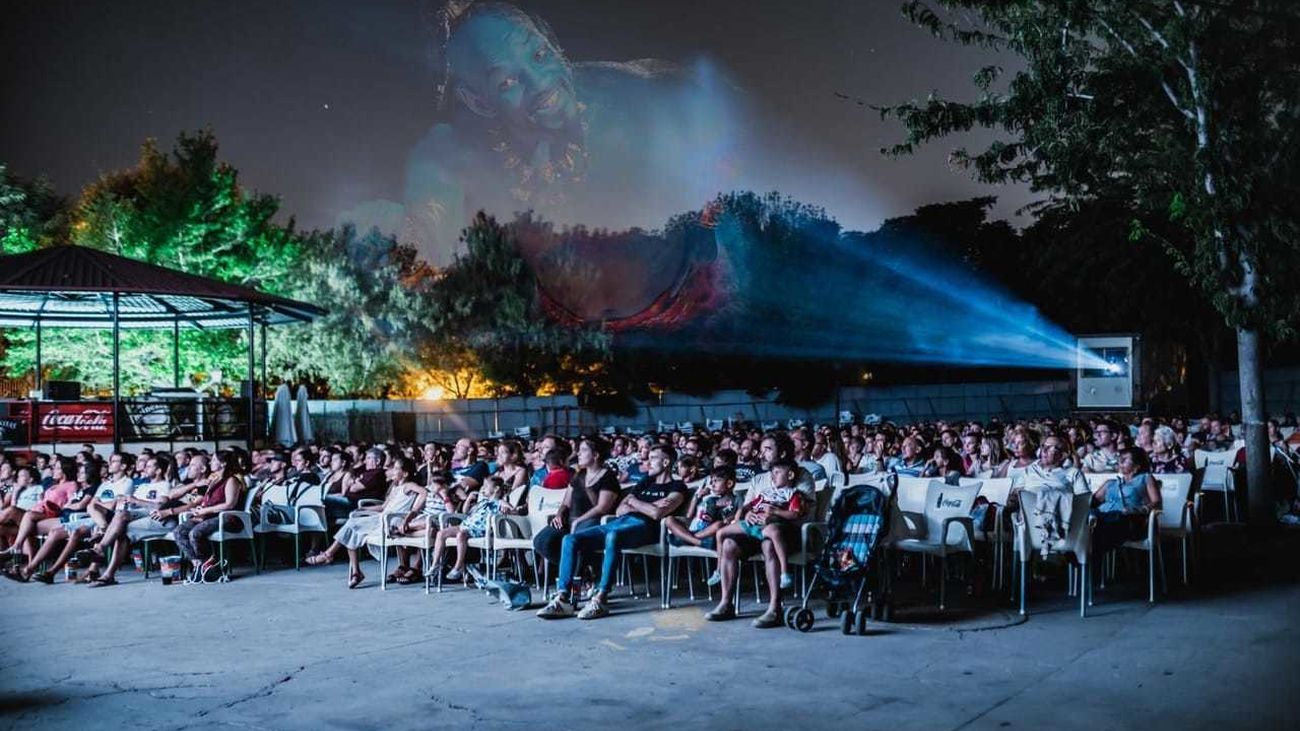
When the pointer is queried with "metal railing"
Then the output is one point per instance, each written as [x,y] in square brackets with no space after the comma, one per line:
[26,422]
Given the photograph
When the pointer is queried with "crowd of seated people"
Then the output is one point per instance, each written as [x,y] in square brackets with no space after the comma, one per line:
[601,495]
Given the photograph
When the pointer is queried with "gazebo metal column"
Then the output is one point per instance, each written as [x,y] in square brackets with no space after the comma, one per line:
[36,382]
[117,381]
[176,352]
[252,385]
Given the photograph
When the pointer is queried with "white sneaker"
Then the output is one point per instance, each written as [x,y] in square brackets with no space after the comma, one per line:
[787,581]
[714,579]
[557,608]
[595,609]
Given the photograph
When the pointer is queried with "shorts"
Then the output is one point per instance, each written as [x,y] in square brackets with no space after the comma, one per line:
[146,527]
[72,524]
[751,543]
[708,544]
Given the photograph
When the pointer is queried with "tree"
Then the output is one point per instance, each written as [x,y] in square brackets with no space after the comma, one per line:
[1183,110]
[371,287]
[31,215]
[485,311]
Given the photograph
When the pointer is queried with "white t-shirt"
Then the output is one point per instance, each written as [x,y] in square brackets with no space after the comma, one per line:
[152,491]
[111,490]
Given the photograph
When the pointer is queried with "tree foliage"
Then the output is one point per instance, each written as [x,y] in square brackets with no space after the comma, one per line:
[485,313]
[1184,112]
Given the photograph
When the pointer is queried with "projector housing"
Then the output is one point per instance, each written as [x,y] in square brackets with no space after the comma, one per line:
[1114,385]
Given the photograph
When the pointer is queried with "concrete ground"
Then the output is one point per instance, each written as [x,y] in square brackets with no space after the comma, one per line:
[288,649]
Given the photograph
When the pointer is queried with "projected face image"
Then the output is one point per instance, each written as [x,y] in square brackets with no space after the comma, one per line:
[507,69]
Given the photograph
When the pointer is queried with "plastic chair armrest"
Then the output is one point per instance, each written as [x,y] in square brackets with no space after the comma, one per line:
[966,523]
[1153,526]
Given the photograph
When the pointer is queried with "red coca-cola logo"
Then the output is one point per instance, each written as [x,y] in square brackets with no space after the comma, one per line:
[82,420]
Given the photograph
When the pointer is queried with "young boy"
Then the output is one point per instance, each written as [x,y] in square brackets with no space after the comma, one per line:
[712,506]
[772,514]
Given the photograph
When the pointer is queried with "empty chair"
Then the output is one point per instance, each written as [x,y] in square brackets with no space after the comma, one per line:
[1215,469]
[1077,541]
[947,528]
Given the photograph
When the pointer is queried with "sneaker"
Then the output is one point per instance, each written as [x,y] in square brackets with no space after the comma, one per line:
[714,579]
[454,575]
[767,620]
[558,608]
[595,609]
[721,615]
[588,592]
[787,581]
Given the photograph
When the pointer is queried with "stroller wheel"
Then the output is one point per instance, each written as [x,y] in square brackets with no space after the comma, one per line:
[789,616]
[861,625]
[833,609]
[846,622]
[803,620]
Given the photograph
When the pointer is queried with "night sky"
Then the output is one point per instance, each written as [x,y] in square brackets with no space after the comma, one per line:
[320,101]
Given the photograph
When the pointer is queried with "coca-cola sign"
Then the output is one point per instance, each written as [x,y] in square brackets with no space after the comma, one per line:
[74,421]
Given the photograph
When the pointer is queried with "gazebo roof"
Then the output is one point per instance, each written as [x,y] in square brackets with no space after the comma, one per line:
[73,286]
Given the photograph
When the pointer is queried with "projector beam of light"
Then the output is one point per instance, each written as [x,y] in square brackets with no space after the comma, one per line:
[855,301]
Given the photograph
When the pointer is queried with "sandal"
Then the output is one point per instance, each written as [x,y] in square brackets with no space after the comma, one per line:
[355,580]
[86,578]
[104,581]
[44,577]
[320,559]
[89,556]
[410,577]
[16,575]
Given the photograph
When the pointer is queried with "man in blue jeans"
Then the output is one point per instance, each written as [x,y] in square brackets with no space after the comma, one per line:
[636,523]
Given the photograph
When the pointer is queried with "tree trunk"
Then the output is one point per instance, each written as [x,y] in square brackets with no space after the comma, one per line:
[1250,372]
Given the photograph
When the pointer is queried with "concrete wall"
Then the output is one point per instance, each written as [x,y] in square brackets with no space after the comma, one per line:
[1281,391]
[445,420]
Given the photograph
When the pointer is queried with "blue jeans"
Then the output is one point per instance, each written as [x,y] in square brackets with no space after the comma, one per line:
[628,531]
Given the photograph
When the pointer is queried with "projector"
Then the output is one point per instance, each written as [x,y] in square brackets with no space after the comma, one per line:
[1106,371]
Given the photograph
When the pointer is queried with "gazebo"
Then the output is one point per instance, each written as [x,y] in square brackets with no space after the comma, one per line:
[77,287]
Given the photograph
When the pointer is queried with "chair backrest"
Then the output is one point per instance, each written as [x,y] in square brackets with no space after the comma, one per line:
[686,427]
[943,501]
[276,494]
[996,489]
[1077,539]
[1174,491]
[538,520]
[524,431]
[1202,459]
[819,485]
[518,495]
[713,424]
[912,493]
[825,499]
[1214,477]
[544,500]
[884,481]
[694,485]
[1097,479]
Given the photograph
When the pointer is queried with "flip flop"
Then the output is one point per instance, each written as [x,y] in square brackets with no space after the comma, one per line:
[105,581]
[16,576]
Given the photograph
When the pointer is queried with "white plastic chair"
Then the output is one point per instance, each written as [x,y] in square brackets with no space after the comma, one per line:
[949,529]
[306,515]
[1216,476]
[244,519]
[1078,541]
[1174,512]
[379,541]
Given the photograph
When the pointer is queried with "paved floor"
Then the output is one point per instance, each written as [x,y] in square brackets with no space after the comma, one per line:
[296,649]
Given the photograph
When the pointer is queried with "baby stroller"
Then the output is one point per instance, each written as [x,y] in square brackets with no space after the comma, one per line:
[857,520]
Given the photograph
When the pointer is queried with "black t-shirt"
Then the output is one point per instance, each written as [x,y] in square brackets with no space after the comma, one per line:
[650,491]
[583,498]
[374,484]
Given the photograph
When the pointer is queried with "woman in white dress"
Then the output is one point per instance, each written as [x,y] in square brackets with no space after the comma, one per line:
[404,497]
